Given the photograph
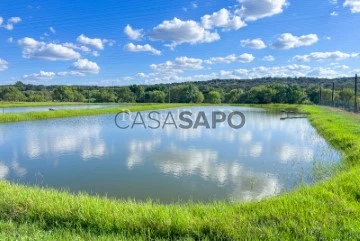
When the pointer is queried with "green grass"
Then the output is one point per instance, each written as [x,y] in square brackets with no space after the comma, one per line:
[42,115]
[341,129]
[329,210]
[34,104]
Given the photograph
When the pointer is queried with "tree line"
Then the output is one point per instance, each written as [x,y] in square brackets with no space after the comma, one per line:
[178,93]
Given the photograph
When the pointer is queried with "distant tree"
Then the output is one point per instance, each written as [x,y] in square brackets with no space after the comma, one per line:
[197,97]
[161,87]
[326,95]
[313,93]
[346,96]
[35,96]
[104,96]
[139,92]
[233,96]
[295,95]
[11,93]
[156,96]
[261,90]
[259,95]
[20,85]
[186,93]
[63,93]
[125,95]
[281,94]
[192,94]
[213,97]
[78,97]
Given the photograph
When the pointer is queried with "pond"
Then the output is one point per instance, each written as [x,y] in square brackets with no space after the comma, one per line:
[46,108]
[265,157]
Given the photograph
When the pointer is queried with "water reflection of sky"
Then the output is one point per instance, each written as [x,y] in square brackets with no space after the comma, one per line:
[91,154]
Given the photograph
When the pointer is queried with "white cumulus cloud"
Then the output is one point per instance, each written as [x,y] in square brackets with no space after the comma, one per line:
[222,19]
[289,41]
[354,5]
[48,75]
[94,42]
[178,32]
[85,66]
[42,75]
[253,43]
[251,10]
[142,48]
[243,58]
[10,22]
[322,72]
[32,48]
[3,65]
[178,65]
[316,56]
[134,34]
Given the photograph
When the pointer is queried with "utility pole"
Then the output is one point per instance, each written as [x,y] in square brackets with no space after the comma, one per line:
[356,90]
[320,95]
[332,94]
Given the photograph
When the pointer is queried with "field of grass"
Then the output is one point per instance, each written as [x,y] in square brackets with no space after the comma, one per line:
[329,210]
[42,115]
[33,104]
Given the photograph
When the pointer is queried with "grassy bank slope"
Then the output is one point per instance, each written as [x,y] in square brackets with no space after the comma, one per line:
[34,104]
[341,129]
[42,115]
[329,210]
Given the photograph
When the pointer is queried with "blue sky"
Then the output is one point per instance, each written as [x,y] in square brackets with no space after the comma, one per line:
[143,42]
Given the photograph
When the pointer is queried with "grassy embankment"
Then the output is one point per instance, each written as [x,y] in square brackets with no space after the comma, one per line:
[326,211]
[5,104]
[42,115]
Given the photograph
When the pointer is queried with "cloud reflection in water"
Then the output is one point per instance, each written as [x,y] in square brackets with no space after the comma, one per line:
[91,154]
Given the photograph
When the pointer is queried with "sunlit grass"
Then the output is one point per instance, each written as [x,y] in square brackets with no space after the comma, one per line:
[6,104]
[42,115]
[329,210]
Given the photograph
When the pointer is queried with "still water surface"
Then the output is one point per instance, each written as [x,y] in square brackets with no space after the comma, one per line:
[264,158]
